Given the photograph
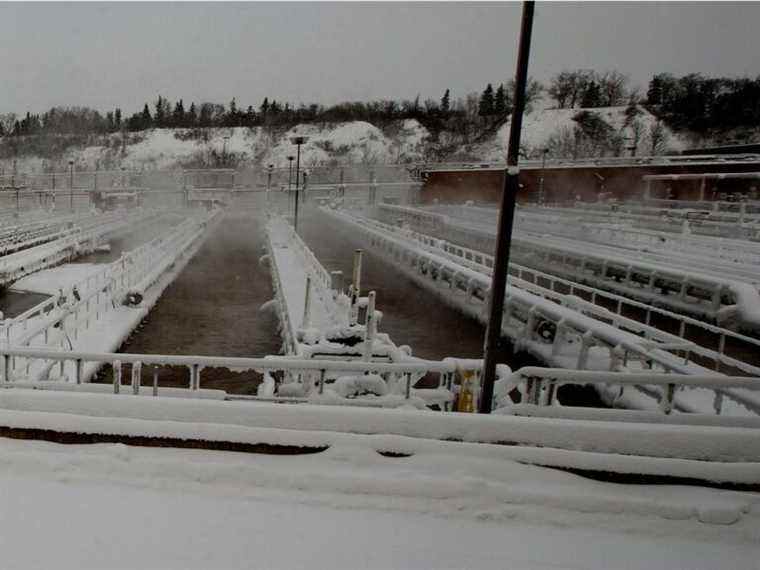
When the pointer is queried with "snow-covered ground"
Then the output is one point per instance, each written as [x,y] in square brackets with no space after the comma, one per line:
[113,506]
[542,124]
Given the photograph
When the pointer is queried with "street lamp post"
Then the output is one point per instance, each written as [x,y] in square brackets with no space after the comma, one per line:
[291,158]
[71,185]
[270,168]
[541,197]
[298,141]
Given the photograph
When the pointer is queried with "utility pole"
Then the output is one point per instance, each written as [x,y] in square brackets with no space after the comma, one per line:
[506,215]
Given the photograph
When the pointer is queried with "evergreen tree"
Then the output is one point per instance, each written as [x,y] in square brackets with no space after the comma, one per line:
[146,121]
[178,117]
[117,118]
[250,117]
[500,102]
[192,116]
[446,102]
[592,96]
[162,112]
[264,109]
[486,105]
[232,116]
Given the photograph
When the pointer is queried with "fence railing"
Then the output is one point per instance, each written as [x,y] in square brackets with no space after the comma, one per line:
[541,385]
[315,373]
[537,386]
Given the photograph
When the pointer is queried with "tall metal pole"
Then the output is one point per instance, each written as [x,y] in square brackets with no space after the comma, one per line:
[71,185]
[506,215]
[298,165]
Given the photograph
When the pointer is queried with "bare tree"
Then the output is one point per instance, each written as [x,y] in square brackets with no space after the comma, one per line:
[658,138]
[7,120]
[614,88]
[568,87]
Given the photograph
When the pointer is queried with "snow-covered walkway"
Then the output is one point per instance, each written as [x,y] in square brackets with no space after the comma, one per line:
[112,506]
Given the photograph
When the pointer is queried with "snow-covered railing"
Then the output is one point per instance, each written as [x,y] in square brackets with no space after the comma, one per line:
[524,311]
[551,286]
[27,261]
[735,259]
[287,327]
[58,321]
[540,385]
[322,374]
[662,219]
[701,294]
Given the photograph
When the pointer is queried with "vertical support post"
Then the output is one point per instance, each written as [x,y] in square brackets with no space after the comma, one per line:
[136,374]
[322,373]
[702,188]
[195,377]
[370,327]
[116,376]
[306,321]
[372,188]
[506,213]
[78,370]
[356,279]
[155,380]
[7,368]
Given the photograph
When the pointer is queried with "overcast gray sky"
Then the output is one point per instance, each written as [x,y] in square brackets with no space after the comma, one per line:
[105,55]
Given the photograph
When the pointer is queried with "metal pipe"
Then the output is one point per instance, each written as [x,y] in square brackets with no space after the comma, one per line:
[506,214]
[306,322]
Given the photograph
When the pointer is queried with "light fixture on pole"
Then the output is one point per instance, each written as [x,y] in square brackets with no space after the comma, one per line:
[290,172]
[71,185]
[270,168]
[298,141]
[541,197]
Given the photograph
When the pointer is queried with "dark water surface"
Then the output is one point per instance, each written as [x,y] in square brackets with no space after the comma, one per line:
[212,308]
[411,315]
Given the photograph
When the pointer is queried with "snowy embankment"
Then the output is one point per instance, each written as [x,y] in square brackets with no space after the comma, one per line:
[716,454]
[199,509]
[540,126]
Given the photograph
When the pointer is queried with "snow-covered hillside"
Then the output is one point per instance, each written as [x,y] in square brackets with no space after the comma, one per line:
[539,127]
[356,142]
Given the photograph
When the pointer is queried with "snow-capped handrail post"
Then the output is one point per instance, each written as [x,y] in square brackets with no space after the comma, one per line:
[506,214]
[370,327]
[356,278]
